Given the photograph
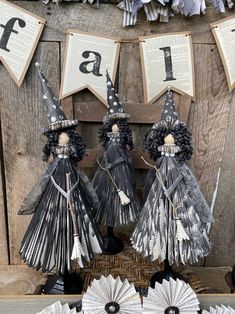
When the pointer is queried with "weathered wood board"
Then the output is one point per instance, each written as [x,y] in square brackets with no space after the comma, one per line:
[108,20]
[224,231]
[208,122]
[4,256]
[34,304]
[210,118]
[19,280]
[212,277]
[23,118]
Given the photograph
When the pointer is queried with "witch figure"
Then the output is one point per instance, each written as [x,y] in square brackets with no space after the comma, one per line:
[114,178]
[62,228]
[172,224]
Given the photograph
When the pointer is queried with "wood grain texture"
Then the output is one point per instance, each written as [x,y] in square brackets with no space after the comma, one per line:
[212,277]
[208,121]
[109,17]
[93,154]
[19,280]
[4,256]
[66,103]
[33,304]
[209,114]
[130,76]
[223,232]
[23,116]
[140,113]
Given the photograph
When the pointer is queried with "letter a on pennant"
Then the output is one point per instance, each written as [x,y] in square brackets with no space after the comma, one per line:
[87,57]
[20,31]
[167,61]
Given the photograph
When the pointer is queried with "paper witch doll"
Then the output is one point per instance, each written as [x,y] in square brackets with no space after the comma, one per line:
[62,228]
[114,178]
[172,224]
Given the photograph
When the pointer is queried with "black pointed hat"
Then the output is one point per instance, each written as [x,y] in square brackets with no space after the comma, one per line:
[169,113]
[56,117]
[115,109]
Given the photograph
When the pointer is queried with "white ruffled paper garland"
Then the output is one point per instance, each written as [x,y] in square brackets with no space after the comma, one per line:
[58,308]
[110,295]
[160,10]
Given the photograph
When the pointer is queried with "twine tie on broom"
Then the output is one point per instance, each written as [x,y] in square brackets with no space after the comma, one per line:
[181,233]
[123,197]
[77,251]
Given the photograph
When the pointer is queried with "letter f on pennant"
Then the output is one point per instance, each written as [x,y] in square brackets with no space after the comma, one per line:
[20,31]
[8,29]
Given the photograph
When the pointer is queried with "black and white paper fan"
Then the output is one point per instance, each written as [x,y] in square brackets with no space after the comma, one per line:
[220,310]
[58,308]
[171,297]
[109,295]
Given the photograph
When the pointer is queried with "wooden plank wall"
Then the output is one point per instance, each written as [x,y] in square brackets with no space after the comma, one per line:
[4,256]
[23,116]
[210,119]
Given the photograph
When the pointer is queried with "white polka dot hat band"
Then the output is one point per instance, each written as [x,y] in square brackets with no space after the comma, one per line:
[56,117]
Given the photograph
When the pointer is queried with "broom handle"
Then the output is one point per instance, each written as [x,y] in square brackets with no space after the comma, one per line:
[111,178]
[71,205]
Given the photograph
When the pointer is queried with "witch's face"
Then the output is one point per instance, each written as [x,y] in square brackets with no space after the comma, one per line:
[115,128]
[169,139]
[63,138]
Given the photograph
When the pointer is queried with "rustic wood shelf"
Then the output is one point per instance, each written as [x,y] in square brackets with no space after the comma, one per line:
[32,304]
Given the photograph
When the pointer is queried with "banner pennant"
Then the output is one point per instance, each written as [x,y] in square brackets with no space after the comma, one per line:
[20,31]
[167,62]
[224,34]
[87,57]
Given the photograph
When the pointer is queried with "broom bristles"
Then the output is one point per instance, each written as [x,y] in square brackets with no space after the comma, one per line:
[77,251]
[181,234]
[124,199]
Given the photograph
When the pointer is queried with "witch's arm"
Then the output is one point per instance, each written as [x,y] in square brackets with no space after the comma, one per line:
[32,200]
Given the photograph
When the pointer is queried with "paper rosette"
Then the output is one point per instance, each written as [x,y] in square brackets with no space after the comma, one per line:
[58,308]
[220,310]
[109,295]
[173,296]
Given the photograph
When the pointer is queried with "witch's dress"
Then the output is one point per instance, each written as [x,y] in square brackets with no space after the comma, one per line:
[172,224]
[117,160]
[49,240]
[115,177]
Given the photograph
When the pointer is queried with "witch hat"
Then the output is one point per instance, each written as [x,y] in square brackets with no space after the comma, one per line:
[56,117]
[168,113]
[115,109]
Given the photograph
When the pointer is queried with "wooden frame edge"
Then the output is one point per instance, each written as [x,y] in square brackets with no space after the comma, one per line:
[144,77]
